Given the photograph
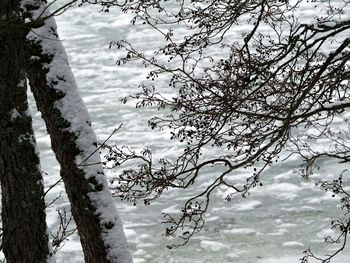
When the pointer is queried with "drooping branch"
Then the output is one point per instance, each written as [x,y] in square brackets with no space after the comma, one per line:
[281,74]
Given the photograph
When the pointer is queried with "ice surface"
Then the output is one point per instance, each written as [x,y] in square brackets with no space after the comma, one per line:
[295,244]
[240,231]
[212,245]
[285,210]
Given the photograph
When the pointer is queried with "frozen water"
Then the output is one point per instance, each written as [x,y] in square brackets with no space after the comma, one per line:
[275,224]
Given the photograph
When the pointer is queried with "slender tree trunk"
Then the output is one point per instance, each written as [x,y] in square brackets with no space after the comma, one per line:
[25,236]
[73,141]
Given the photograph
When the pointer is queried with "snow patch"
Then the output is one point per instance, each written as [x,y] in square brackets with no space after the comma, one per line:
[293,244]
[212,245]
[241,231]
[15,114]
[174,209]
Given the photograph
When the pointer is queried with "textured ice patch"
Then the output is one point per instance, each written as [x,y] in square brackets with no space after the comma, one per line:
[286,225]
[279,232]
[174,209]
[295,244]
[251,205]
[241,231]
[130,234]
[244,206]
[284,176]
[139,260]
[325,233]
[279,260]
[212,245]
[282,191]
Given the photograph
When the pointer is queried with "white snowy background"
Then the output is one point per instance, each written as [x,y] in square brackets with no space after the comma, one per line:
[274,225]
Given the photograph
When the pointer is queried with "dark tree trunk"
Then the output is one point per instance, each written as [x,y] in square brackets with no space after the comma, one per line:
[23,208]
[72,141]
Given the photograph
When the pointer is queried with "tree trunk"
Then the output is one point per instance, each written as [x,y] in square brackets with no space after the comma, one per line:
[73,141]
[25,236]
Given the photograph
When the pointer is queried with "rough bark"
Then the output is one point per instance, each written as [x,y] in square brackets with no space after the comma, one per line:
[25,236]
[72,141]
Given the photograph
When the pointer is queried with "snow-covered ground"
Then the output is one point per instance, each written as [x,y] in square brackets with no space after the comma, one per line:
[275,224]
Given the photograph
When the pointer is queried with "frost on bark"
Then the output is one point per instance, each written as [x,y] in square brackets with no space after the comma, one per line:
[25,236]
[73,142]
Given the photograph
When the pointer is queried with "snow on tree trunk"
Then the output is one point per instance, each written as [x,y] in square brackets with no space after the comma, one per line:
[24,227]
[73,141]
